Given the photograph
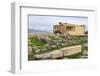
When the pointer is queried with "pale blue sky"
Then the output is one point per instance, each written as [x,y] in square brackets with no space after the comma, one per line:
[45,23]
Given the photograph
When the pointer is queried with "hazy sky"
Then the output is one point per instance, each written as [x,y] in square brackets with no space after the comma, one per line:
[45,23]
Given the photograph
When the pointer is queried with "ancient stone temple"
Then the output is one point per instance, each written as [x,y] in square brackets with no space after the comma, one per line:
[67,28]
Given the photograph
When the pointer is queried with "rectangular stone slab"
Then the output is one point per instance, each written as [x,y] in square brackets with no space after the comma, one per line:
[71,50]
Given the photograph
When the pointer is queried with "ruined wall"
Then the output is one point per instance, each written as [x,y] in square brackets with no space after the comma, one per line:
[78,29]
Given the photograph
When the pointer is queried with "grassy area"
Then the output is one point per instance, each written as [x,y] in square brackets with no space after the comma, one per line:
[36,42]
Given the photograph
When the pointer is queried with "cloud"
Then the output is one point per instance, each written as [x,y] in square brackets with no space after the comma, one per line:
[46,23]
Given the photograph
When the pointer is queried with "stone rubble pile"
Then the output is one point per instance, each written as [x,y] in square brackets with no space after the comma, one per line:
[54,42]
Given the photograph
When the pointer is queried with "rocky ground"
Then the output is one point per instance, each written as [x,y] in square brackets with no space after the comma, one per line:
[44,43]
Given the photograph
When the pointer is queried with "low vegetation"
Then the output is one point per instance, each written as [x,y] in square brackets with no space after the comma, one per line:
[44,43]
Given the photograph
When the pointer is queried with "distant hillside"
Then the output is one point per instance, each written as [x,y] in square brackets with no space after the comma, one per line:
[37,31]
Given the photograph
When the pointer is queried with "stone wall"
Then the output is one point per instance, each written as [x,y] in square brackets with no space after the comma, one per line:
[77,29]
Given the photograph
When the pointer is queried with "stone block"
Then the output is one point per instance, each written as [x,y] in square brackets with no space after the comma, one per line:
[71,50]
